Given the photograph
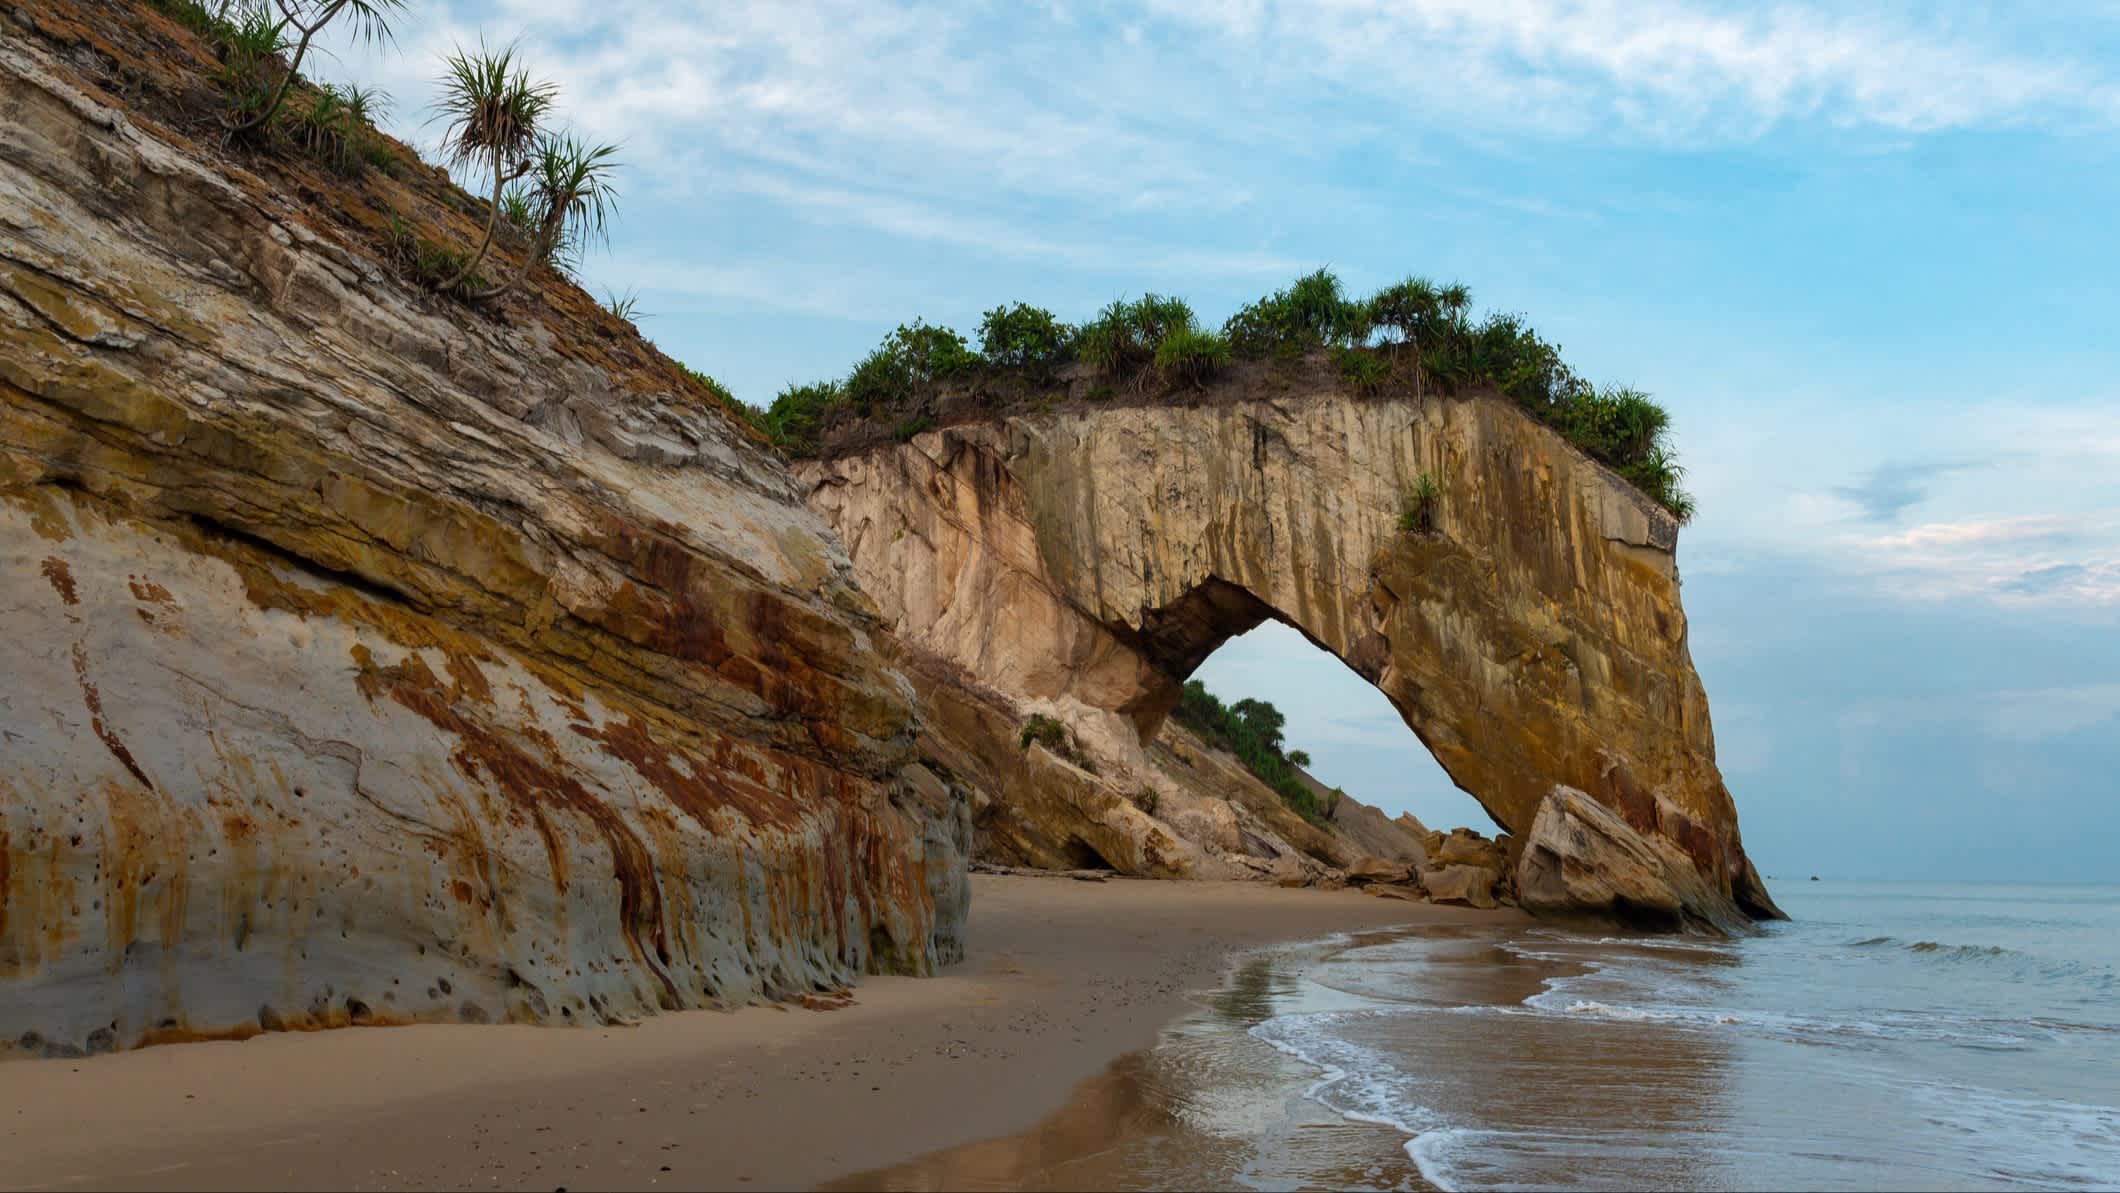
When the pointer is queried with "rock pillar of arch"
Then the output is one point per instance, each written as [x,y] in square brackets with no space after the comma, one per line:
[1533,641]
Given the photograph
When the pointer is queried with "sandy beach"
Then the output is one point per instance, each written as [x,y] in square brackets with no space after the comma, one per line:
[1064,978]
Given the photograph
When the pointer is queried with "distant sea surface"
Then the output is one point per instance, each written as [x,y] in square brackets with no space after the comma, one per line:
[1890,1036]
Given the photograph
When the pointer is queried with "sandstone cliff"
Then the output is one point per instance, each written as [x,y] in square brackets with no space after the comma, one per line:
[1083,561]
[372,658]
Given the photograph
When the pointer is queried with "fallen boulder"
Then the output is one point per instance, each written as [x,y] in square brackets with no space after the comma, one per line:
[1377,870]
[1472,886]
[1583,860]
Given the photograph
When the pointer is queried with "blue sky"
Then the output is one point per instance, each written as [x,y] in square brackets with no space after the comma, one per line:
[1866,255]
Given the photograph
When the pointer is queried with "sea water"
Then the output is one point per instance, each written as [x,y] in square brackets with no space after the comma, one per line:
[1889,1036]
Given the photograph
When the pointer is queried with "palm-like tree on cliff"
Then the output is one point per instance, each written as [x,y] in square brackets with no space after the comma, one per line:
[566,200]
[1424,315]
[371,21]
[493,108]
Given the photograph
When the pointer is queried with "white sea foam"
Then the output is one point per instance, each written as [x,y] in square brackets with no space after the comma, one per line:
[1356,1082]
[1430,1153]
[1887,1085]
[2037,1141]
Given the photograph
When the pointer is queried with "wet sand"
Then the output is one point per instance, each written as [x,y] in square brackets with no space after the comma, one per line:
[1212,1107]
[1065,978]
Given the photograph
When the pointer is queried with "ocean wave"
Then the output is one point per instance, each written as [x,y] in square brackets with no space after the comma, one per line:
[2040,1141]
[1961,950]
[2091,980]
[1429,1153]
[1561,1001]
[1357,1083]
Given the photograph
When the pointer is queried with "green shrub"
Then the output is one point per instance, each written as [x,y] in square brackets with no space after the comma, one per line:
[797,416]
[1043,730]
[1025,337]
[909,360]
[909,427]
[1124,337]
[1053,735]
[1190,356]
[370,20]
[1421,507]
[1251,730]
[251,45]
[1310,314]
[193,16]
[377,153]
[1419,314]
[1362,369]
[324,127]
[717,389]
[423,261]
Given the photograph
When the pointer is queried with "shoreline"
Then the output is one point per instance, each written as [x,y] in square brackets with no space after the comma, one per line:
[1064,978]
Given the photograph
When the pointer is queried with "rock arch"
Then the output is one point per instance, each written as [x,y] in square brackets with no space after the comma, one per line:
[1092,558]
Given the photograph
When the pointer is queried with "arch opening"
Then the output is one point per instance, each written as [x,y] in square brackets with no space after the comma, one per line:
[1354,739]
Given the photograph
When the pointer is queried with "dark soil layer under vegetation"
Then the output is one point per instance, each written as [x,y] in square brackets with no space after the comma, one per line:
[1414,338]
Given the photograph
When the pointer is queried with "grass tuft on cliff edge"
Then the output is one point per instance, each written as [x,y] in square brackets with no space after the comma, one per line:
[1410,338]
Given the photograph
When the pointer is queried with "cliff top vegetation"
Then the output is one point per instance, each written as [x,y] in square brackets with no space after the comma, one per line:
[1411,338]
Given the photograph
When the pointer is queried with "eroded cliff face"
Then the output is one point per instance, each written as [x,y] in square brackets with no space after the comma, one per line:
[1084,561]
[371,659]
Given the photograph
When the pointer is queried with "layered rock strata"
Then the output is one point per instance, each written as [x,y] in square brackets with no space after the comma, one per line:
[371,659]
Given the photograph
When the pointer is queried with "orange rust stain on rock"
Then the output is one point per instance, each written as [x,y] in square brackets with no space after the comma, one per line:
[149,592]
[62,579]
[462,891]
[525,780]
[681,604]
[1625,795]
[701,785]
[553,852]
[188,1035]
[94,700]
[470,681]
[6,873]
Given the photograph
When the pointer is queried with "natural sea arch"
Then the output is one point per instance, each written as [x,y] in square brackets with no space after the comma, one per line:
[1098,556]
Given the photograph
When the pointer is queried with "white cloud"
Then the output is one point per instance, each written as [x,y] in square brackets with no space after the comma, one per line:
[2039,559]
[2035,528]
[2004,502]
[1668,70]
[915,116]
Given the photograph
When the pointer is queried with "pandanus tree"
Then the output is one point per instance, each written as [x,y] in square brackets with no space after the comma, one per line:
[493,108]
[1423,314]
[371,22]
[565,199]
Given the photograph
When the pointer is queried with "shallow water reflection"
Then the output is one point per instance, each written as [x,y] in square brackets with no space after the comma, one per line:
[1825,1054]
